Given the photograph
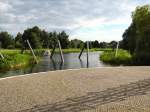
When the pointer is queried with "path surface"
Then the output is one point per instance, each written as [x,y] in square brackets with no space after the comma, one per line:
[117,89]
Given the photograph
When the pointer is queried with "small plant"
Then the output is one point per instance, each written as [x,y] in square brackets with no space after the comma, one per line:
[123,57]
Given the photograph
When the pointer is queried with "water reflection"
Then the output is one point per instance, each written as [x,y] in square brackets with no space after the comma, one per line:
[71,62]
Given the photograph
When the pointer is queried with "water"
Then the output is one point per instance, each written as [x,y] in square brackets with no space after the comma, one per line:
[71,62]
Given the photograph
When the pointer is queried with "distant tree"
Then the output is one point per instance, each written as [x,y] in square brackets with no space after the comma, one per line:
[96,44]
[64,39]
[18,40]
[103,45]
[34,35]
[76,43]
[6,40]
[113,44]
[45,39]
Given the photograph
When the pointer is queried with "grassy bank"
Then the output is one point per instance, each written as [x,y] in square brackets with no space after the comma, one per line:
[71,50]
[123,57]
[13,59]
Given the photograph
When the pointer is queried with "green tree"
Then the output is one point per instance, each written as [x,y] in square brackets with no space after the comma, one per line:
[6,40]
[137,37]
[141,17]
[103,45]
[75,43]
[34,35]
[18,40]
[64,39]
[129,38]
[45,38]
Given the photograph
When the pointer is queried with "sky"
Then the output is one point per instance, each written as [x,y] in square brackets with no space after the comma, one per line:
[102,20]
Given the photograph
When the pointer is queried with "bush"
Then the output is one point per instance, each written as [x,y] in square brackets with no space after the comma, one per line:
[141,58]
[123,57]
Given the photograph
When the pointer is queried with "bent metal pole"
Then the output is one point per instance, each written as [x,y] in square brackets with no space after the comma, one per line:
[32,51]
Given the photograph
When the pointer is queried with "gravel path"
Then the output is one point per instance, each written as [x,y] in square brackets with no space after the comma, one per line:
[116,89]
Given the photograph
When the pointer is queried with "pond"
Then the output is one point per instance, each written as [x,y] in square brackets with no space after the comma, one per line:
[71,61]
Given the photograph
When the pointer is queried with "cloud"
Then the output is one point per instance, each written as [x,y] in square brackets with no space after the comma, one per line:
[80,18]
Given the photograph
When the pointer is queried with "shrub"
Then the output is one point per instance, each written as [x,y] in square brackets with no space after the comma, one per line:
[141,58]
[123,57]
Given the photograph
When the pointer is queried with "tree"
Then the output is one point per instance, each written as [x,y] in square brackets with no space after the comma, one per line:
[113,45]
[6,40]
[34,35]
[45,38]
[103,45]
[18,40]
[141,17]
[137,37]
[75,43]
[95,44]
[129,38]
[64,39]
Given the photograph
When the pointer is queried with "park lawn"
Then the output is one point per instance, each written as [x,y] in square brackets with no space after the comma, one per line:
[123,57]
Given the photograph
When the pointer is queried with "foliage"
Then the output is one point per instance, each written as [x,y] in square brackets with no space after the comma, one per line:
[76,43]
[95,44]
[129,38]
[18,40]
[6,40]
[13,60]
[41,39]
[64,40]
[136,38]
[123,57]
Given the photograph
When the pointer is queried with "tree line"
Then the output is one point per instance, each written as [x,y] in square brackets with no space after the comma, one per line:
[42,39]
[136,38]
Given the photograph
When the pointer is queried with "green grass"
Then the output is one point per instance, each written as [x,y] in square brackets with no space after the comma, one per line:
[13,59]
[74,50]
[123,57]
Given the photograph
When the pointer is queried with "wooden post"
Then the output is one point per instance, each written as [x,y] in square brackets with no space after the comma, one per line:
[60,50]
[53,51]
[32,51]
[117,49]
[87,52]
[1,53]
[81,51]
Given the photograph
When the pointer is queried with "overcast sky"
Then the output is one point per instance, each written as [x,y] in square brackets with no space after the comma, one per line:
[102,20]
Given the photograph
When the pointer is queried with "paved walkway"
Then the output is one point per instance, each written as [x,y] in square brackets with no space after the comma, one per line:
[117,89]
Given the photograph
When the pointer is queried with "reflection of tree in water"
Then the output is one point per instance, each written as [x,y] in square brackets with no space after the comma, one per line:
[57,65]
[93,99]
[81,63]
